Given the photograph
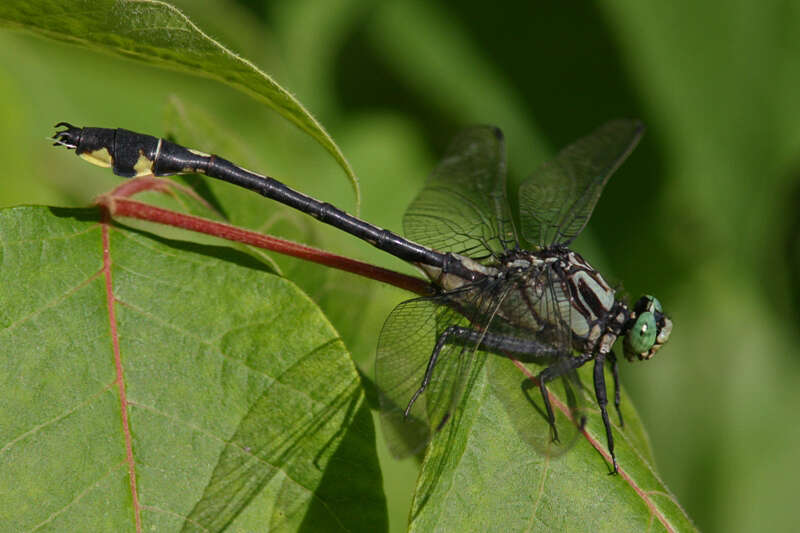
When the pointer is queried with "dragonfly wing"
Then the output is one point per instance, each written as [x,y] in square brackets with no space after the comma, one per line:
[463,208]
[557,201]
[406,341]
[405,346]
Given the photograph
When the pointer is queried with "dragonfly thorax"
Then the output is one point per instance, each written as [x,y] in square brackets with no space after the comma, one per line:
[579,298]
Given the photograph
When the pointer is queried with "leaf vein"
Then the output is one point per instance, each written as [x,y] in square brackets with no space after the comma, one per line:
[78,497]
[35,429]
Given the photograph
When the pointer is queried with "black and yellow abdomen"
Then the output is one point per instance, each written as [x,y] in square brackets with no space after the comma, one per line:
[131,154]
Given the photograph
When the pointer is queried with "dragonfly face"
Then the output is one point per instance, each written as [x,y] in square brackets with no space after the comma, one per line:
[649,329]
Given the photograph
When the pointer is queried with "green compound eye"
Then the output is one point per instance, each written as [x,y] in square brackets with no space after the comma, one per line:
[656,305]
[642,335]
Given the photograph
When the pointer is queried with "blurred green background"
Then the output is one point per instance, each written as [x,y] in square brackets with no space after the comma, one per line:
[704,214]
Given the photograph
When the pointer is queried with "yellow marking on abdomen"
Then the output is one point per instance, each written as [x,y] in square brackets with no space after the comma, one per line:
[100,157]
[143,166]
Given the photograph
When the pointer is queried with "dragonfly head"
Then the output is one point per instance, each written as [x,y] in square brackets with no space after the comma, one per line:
[648,329]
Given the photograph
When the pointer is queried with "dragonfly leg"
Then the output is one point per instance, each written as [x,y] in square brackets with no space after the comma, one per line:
[492,342]
[458,332]
[602,401]
[549,374]
[544,376]
[612,358]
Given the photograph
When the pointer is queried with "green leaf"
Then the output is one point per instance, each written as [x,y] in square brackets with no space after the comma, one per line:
[215,388]
[482,474]
[406,32]
[158,34]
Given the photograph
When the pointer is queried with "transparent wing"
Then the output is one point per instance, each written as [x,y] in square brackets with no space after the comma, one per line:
[558,199]
[463,207]
[514,379]
[405,346]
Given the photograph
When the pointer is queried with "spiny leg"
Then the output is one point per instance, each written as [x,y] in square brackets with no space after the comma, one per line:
[493,342]
[451,331]
[612,358]
[544,376]
[602,401]
[550,373]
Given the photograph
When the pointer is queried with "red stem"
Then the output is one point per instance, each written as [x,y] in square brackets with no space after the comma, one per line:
[118,205]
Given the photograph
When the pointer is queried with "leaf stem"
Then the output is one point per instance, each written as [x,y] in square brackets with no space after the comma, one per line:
[118,204]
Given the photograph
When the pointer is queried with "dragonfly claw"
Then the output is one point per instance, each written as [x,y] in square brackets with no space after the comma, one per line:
[69,137]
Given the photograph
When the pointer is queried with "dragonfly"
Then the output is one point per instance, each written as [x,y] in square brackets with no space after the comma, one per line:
[515,290]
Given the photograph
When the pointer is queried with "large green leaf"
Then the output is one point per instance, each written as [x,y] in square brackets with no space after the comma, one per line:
[158,34]
[482,474]
[152,384]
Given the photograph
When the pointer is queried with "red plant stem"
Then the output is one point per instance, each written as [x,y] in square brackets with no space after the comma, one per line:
[118,206]
[120,380]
